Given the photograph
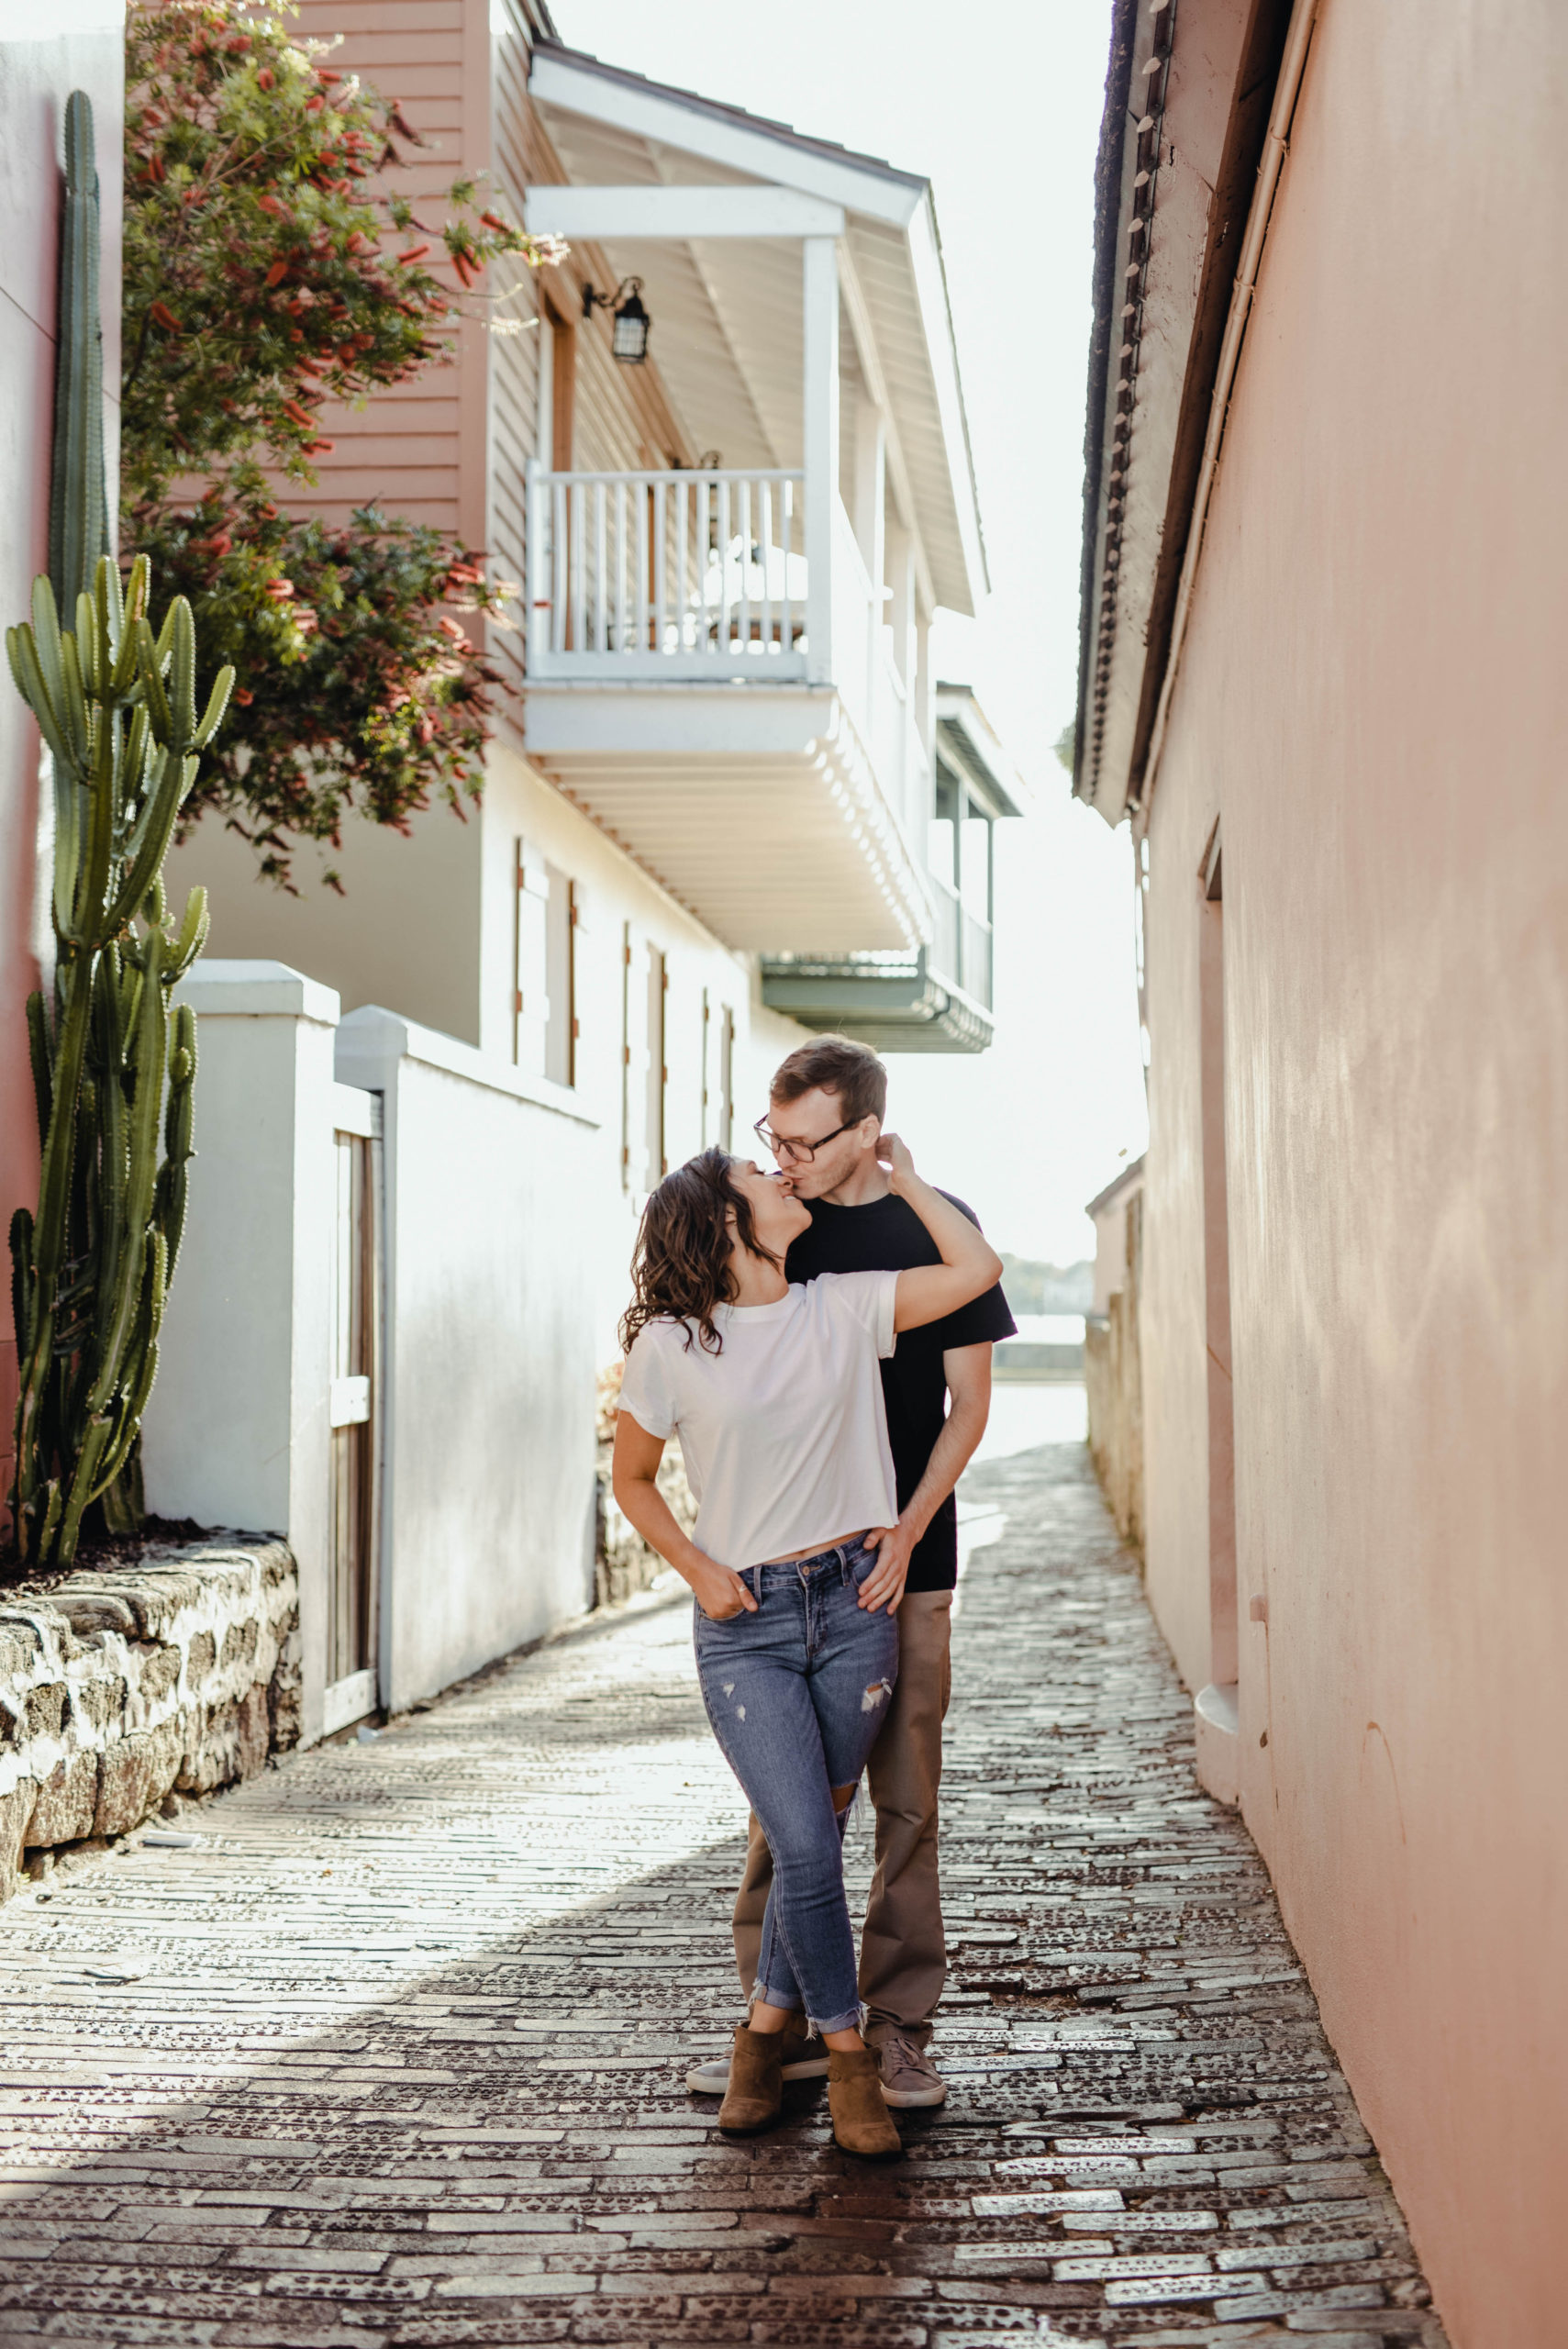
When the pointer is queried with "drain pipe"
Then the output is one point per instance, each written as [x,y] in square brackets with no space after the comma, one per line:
[1276,146]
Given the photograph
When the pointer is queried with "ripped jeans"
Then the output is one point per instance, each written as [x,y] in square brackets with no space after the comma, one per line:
[796,1694]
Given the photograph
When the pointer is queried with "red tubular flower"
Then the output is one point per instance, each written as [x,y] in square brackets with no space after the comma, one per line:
[265,80]
[293,409]
[270,204]
[162,316]
[276,275]
[414,253]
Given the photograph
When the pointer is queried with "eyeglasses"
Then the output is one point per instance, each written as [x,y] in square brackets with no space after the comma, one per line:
[799,1152]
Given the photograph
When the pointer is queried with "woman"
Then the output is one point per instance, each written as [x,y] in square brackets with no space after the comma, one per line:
[776,1397]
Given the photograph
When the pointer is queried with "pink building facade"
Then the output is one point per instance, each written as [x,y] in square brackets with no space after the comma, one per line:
[1322,677]
[37,76]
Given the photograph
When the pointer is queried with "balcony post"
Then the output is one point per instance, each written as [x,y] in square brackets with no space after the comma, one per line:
[819,273]
[535,620]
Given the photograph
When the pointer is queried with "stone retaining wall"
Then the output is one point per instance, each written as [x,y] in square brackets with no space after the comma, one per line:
[121,1687]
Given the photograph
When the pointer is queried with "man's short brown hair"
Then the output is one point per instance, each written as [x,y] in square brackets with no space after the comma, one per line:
[838,1065]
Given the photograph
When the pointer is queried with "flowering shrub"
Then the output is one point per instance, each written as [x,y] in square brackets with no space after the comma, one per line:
[268,268]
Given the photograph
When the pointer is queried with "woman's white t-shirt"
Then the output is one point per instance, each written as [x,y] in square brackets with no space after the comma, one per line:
[783,1432]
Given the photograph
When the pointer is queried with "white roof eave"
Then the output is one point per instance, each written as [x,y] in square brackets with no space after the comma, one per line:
[892,199]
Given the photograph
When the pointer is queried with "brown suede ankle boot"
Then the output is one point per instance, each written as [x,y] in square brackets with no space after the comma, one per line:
[861,2122]
[755,2093]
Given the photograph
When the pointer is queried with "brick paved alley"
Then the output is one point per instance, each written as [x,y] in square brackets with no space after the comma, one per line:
[393,2054]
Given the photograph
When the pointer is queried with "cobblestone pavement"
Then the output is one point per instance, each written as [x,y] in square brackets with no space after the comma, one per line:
[393,2054]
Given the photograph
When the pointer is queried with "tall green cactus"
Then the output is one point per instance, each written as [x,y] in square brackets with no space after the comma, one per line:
[90,1272]
[78,508]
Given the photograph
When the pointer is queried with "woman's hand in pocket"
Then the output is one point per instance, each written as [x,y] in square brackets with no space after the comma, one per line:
[720,1593]
[890,1546]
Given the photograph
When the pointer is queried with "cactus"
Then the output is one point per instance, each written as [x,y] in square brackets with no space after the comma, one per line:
[78,511]
[91,1271]
[116,709]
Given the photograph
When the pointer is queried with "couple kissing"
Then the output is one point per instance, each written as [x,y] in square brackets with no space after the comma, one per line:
[816,1335]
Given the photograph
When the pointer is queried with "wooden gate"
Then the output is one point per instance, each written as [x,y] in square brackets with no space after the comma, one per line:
[352,1689]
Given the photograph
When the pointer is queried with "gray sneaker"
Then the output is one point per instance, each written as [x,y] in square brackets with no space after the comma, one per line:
[908,2075]
[806,2060]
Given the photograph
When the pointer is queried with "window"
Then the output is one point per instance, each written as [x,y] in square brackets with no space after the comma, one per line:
[544,1003]
[561,978]
[726,1078]
[657,1072]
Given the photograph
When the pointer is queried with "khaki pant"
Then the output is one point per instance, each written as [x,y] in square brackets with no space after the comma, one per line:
[903,1952]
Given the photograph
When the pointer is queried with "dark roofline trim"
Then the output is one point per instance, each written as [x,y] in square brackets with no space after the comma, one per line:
[1263,53]
[1263,50]
[830,149]
[1107,224]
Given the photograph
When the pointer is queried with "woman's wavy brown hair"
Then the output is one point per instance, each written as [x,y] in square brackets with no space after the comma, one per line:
[680,1267]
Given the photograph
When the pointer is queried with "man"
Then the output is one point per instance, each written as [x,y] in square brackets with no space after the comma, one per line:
[826,1110]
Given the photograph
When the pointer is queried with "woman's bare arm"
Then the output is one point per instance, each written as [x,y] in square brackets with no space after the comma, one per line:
[719,1590]
[970,1264]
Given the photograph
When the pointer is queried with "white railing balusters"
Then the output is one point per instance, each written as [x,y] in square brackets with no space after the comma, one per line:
[579,576]
[558,546]
[666,573]
[723,535]
[765,534]
[660,562]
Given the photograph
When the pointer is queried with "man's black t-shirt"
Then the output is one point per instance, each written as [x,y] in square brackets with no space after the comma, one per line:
[886,1235]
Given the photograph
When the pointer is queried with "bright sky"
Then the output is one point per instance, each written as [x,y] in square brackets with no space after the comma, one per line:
[999,104]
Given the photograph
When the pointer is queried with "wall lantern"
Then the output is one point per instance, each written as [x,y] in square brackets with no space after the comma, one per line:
[628,336]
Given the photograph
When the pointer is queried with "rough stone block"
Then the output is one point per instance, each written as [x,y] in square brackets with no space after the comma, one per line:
[16,1817]
[285,1693]
[161,1674]
[19,1646]
[100,1610]
[45,1711]
[136,1774]
[98,1704]
[67,1803]
[203,1656]
[238,1644]
[231,1743]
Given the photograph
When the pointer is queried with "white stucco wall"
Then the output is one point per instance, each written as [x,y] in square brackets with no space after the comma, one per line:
[237,1433]
[488,1403]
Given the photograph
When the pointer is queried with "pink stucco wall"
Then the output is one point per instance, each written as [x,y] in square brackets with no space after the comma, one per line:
[37,76]
[1374,699]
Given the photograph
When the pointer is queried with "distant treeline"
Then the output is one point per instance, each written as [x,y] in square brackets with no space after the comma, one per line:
[1034,1287]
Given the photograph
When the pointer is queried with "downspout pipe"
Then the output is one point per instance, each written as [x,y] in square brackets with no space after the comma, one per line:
[1276,146]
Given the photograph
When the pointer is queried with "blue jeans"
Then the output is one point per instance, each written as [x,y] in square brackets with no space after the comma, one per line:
[796,1694]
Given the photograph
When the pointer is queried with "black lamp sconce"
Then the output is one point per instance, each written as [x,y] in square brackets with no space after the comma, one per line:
[628,333]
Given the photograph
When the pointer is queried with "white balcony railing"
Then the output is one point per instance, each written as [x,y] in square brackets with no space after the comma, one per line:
[673,575]
[960,943]
[714,577]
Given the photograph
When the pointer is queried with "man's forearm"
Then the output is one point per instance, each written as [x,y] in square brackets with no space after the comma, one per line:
[950,1455]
